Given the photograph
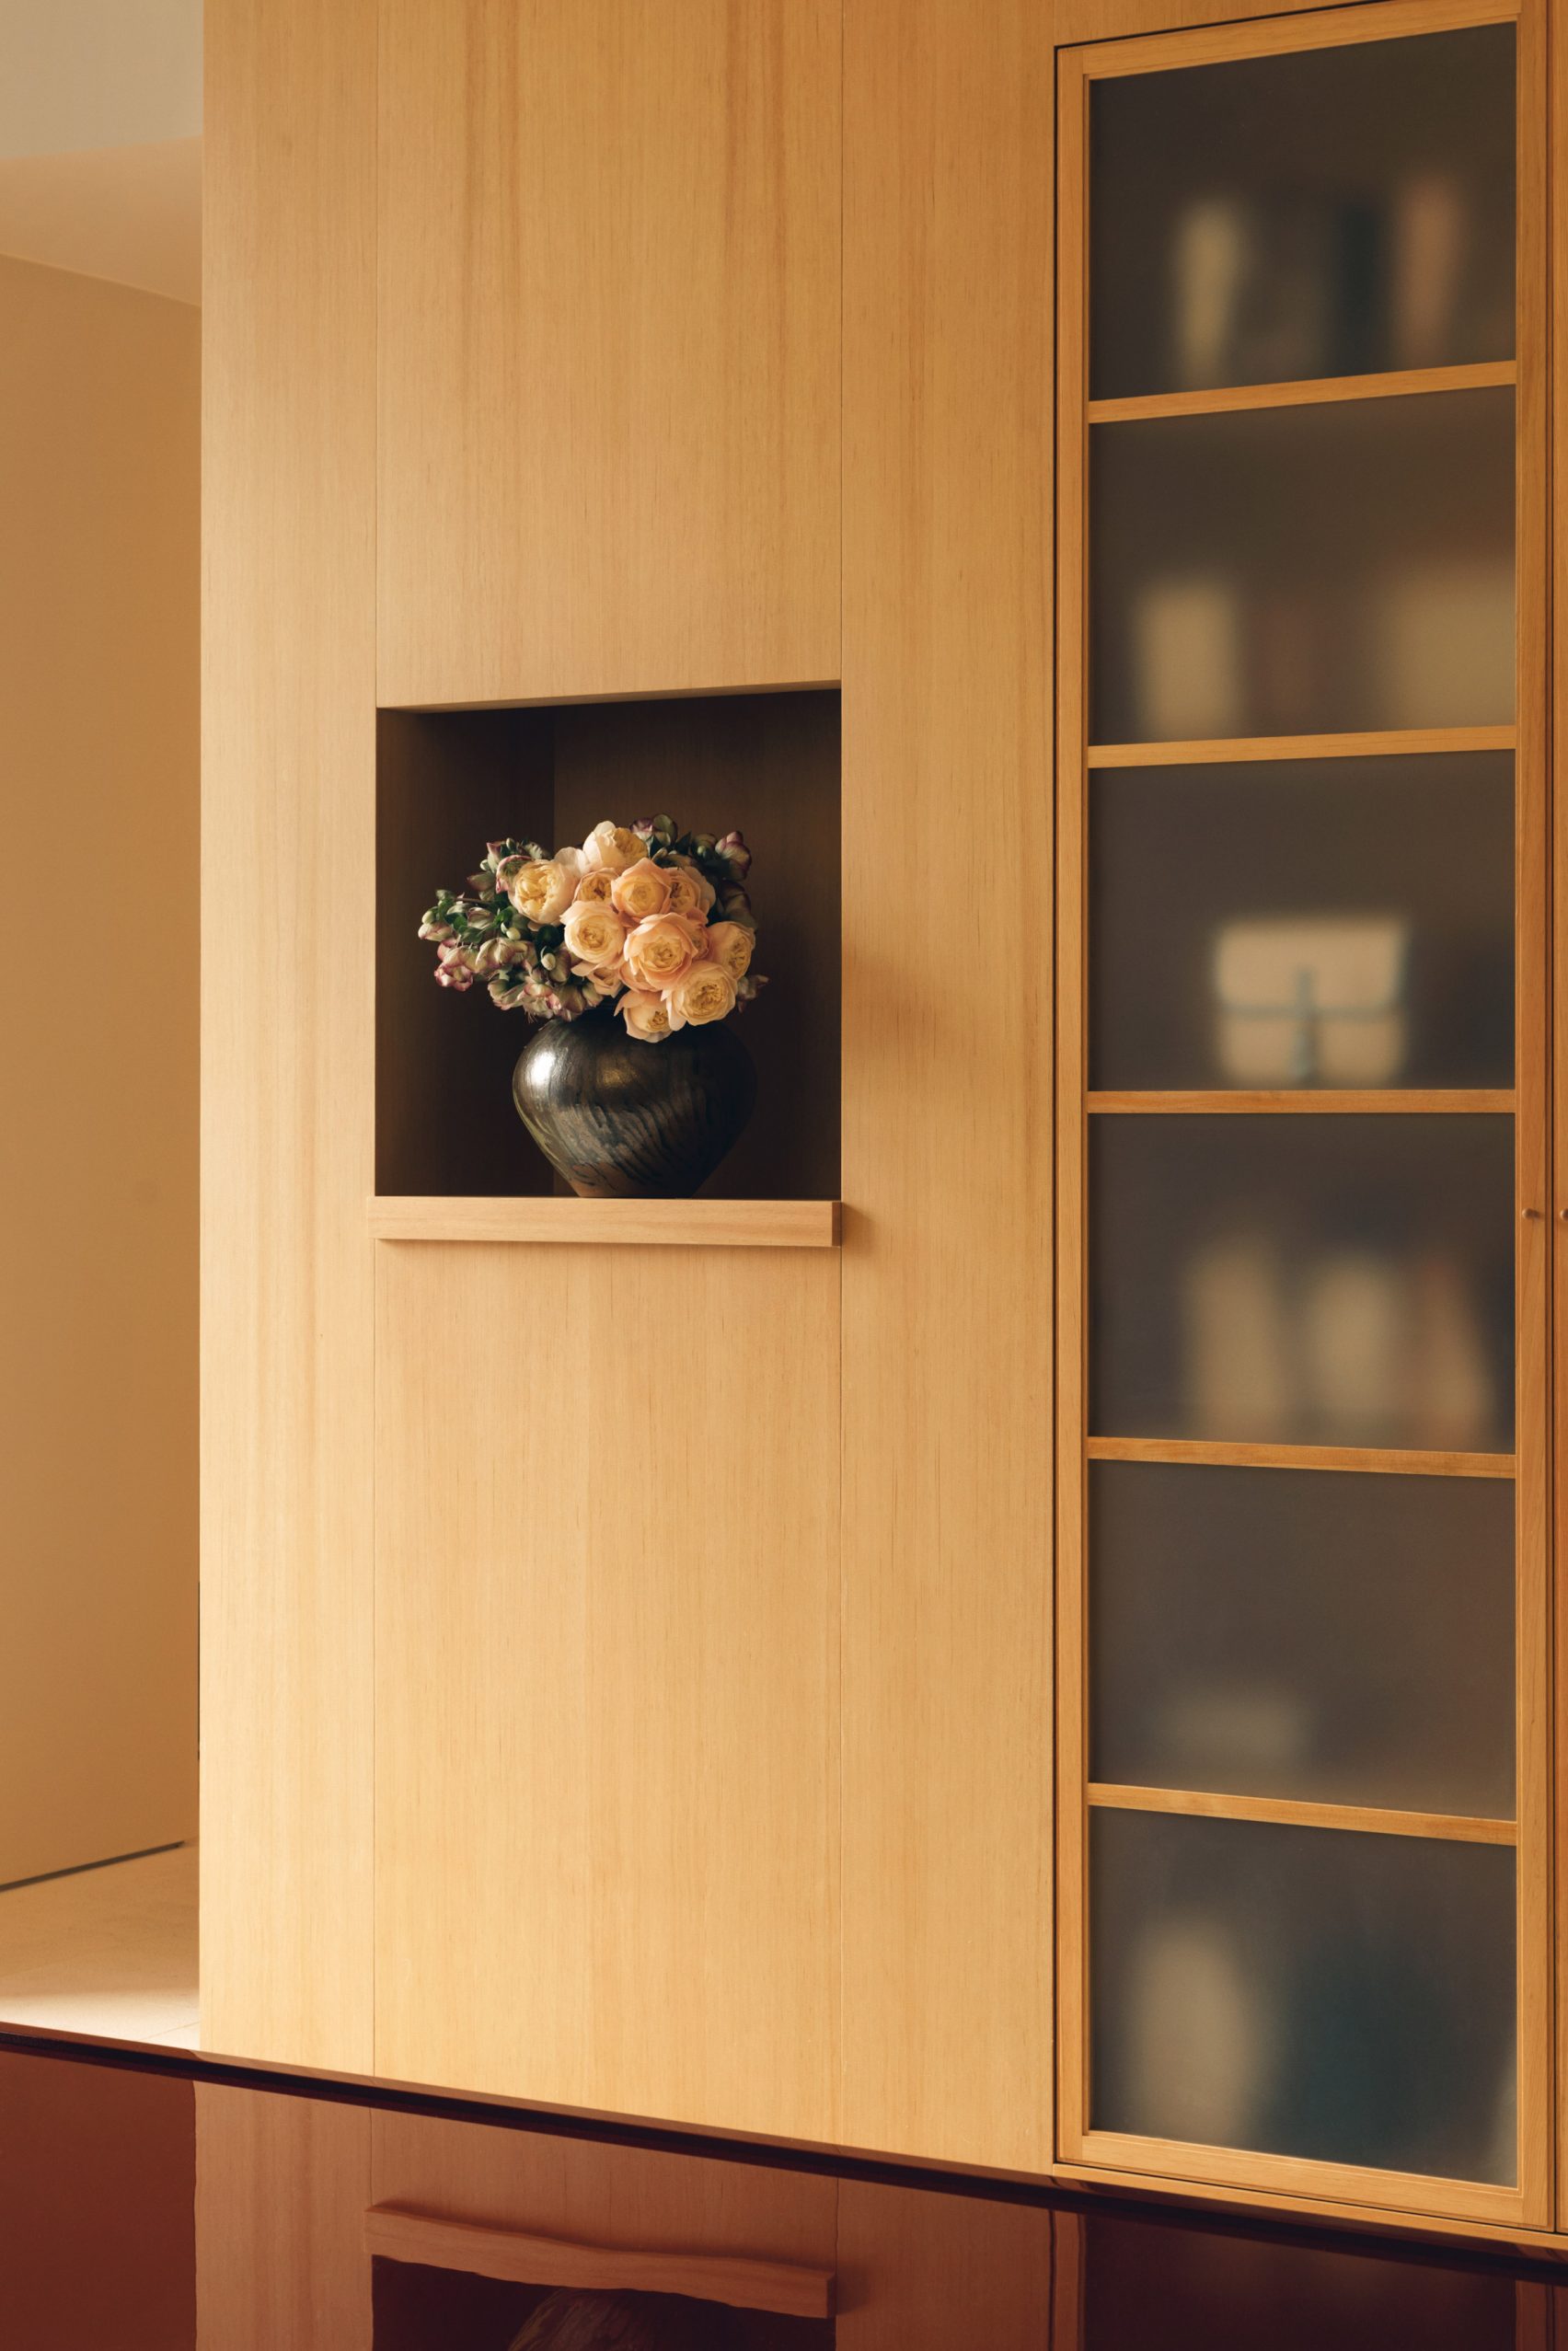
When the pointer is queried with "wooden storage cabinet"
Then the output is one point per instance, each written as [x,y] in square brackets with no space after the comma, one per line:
[609,348]
[1303,1941]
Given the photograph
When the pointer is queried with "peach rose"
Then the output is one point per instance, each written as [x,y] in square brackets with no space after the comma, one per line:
[595,887]
[731,945]
[594,934]
[645,1016]
[690,892]
[659,950]
[641,891]
[705,992]
[610,849]
[543,891]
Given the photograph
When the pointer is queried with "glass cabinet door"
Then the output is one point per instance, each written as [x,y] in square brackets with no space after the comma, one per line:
[1304,1929]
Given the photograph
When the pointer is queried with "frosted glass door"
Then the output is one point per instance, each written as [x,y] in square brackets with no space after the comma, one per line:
[1303,1847]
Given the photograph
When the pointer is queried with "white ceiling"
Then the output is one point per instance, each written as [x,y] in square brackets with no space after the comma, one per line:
[100,146]
[78,74]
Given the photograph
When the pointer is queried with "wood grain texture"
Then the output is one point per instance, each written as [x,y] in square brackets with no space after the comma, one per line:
[922,2272]
[287,1046]
[1325,2188]
[607,1680]
[1071,1135]
[99,712]
[1308,392]
[1083,20]
[282,2185]
[610,347]
[947,1820]
[1534,1739]
[629,1223]
[1361,1457]
[1557,426]
[644,2203]
[393,2232]
[1216,36]
[1402,742]
[1297,1100]
[1458,1828]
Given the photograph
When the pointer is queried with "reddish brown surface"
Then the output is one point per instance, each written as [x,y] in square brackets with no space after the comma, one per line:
[97,2181]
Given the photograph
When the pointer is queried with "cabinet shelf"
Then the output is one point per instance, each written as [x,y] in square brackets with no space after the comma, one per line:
[1456,1829]
[1337,1102]
[1395,743]
[632,1224]
[1392,1460]
[1309,392]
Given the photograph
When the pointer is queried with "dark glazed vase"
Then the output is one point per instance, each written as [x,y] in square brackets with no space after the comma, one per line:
[622,1120]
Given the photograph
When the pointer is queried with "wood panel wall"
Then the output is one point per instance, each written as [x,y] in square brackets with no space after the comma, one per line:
[947,1145]
[609,302]
[607,1678]
[288,1029]
[281,2188]
[738,1813]
[99,394]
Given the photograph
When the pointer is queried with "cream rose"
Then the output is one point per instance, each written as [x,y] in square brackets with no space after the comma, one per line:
[610,849]
[645,1016]
[659,951]
[705,992]
[690,892]
[641,891]
[543,891]
[594,934]
[595,887]
[731,944]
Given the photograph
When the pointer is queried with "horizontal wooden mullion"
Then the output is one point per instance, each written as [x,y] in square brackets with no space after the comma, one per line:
[1335,1101]
[1376,1460]
[1387,743]
[1322,391]
[1459,1829]
[1334,28]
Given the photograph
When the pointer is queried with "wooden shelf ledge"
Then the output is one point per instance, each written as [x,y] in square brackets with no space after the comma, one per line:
[1396,743]
[633,1224]
[1458,1828]
[1336,1102]
[393,2232]
[1315,391]
[1206,1453]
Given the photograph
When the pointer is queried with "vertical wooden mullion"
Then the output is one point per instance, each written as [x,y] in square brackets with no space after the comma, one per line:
[1071,1088]
[1532,1199]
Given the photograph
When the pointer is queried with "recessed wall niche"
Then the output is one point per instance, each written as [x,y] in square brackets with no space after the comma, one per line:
[447,781]
[421,2308]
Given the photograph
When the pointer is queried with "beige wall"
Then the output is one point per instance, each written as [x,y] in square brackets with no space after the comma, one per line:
[99,583]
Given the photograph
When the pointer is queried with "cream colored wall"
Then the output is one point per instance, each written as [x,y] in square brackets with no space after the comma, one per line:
[98,712]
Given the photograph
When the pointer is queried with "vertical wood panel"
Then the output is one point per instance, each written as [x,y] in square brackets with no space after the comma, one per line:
[1557,432]
[288,1029]
[947,1300]
[281,2188]
[921,2272]
[609,319]
[99,698]
[1532,1489]
[607,1678]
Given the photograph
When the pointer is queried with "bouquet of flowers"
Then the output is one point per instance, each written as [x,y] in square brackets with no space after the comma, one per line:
[655,921]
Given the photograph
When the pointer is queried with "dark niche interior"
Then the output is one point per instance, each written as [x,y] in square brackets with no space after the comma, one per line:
[447,781]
